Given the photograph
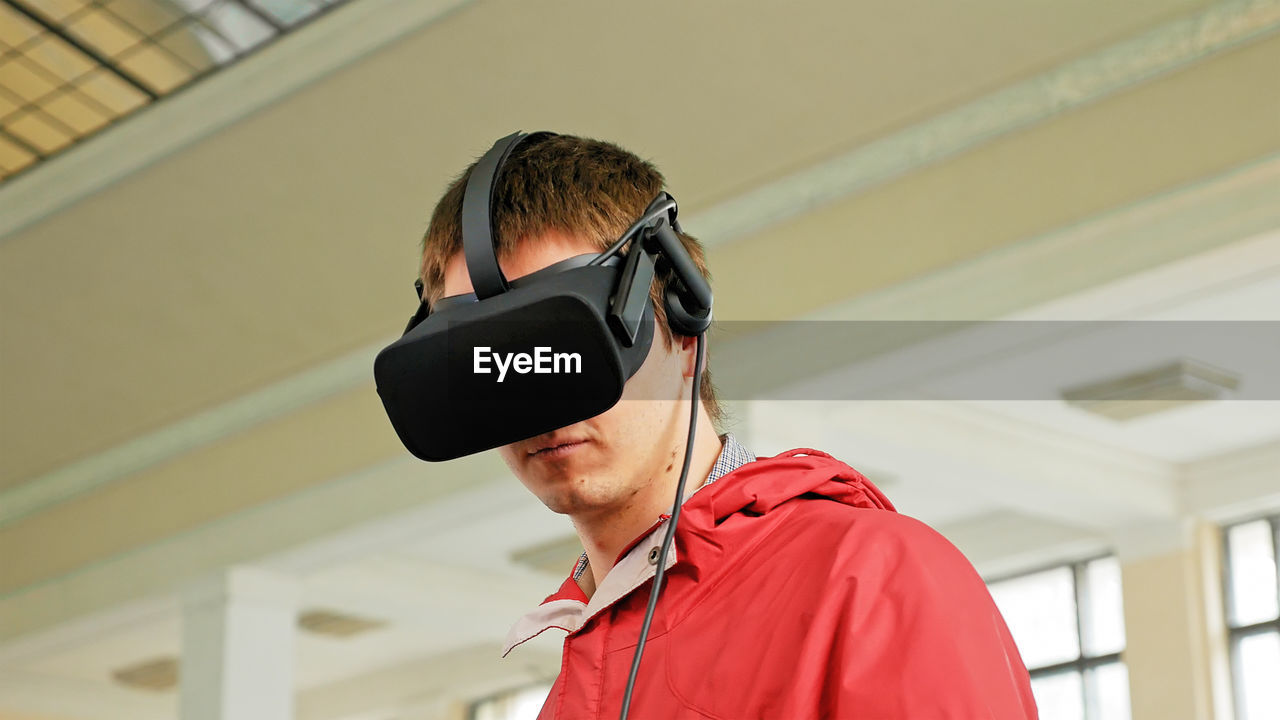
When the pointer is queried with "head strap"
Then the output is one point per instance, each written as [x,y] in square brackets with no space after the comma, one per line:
[477,219]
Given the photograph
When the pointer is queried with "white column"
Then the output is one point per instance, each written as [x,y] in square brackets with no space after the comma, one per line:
[238,646]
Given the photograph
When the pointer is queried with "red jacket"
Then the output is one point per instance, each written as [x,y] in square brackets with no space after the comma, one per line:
[795,591]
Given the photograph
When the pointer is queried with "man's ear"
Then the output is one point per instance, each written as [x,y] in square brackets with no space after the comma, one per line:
[689,354]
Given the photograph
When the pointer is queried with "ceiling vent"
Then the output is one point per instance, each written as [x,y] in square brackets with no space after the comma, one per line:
[154,675]
[335,624]
[1152,391]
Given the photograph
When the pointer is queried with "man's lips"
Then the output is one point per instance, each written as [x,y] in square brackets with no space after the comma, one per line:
[558,448]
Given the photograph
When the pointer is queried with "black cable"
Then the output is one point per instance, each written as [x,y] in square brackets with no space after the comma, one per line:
[636,227]
[671,529]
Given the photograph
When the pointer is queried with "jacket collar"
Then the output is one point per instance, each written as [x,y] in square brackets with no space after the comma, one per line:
[569,609]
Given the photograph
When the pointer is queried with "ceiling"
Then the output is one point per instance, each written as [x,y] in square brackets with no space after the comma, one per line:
[69,68]
[188,331]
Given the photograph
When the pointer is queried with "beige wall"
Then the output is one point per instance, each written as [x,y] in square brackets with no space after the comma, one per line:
[1175,652]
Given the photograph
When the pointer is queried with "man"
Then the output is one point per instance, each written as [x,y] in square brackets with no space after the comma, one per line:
[794,589]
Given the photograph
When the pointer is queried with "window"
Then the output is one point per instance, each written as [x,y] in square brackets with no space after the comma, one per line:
[69,68]
[1068,622]
[520,704]
[1253,616]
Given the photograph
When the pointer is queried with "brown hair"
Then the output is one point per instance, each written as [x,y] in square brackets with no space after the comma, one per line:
[588,188]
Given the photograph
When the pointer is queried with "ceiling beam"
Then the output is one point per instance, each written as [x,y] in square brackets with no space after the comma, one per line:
[1073,84]
[1233,485]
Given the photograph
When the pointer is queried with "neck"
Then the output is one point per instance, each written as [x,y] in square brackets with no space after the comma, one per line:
[605,535]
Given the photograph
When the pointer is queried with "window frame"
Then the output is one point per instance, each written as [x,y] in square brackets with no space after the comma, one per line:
[1236,634]
[1083,662]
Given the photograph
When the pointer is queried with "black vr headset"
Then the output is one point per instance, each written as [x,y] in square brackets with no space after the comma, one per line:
[518,358]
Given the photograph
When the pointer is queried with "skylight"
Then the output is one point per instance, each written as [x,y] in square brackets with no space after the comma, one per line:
[70,68]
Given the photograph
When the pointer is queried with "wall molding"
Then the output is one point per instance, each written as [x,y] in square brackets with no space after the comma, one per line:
[1239,204]
[202,429]
[1162,50]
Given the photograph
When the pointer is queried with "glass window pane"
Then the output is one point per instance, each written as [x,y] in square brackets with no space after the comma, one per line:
[1103,613]
[287,12]
[23,80]
[37,132]
[1040,610]
[238,25]
[216,45]
[13,156]
[8,103]
[1253,573]
[1108,691]
[188,42]
[1059,696]
[59,58]
[102,32]
[1258,665]
[16,29]
[148,16]
[58,9]
[518,705]
[75,112]
[113,93]
[157,68]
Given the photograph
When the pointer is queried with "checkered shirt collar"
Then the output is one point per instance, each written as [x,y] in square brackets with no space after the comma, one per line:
[732,456]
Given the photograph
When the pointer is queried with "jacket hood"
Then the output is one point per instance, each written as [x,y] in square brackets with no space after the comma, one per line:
[761,486]
[764,484]
[721,523]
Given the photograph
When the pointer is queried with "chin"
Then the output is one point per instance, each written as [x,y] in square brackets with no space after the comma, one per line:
[561,507]
[572,497]
[564,503]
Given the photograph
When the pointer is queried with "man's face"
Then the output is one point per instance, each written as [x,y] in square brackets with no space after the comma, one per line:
[598,465]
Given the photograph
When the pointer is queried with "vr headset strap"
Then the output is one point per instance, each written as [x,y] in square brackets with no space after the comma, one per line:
[477,221]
